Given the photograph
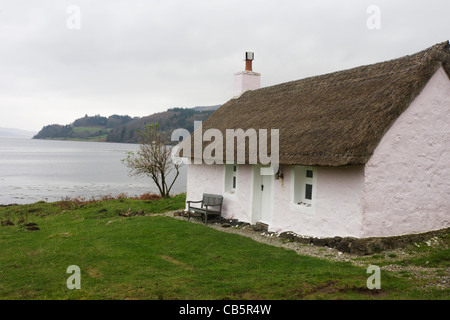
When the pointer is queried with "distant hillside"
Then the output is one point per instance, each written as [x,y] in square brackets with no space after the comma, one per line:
[124,129]
[15,133]
[169,120]
[209,108]
[88,128]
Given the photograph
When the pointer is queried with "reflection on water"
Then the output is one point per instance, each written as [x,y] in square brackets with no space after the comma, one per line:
[35,170]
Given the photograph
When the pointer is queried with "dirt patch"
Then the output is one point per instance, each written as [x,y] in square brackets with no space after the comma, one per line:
[94,273]
[328,287]
[31,226]
[363,290]
[131,213]
[332,287]
[176,262]
[7,222]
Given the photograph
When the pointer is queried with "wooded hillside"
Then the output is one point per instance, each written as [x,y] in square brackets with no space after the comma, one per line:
[125,129]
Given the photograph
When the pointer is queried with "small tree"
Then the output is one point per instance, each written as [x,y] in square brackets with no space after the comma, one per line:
[153,159]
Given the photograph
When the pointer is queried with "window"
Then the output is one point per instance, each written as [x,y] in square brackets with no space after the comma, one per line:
[308,191]
[230,178]
[303,186]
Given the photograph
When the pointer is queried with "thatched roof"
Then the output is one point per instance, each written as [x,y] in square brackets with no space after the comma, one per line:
[334,119]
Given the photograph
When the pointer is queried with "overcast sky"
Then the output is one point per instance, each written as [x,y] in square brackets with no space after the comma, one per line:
[60,60]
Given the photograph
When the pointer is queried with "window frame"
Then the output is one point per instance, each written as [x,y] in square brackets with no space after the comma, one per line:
[230,179]
[299,180]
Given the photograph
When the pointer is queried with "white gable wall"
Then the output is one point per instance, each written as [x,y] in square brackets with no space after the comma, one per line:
[407,180]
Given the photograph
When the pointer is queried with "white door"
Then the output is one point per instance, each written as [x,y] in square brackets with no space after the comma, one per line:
[262,197]
[266,199]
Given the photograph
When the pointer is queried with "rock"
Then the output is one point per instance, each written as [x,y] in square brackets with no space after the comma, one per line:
[304,240]
[256,227]
[287,235]
[243,224]
[322,242]
[345,244]
[264,227]
[290,236]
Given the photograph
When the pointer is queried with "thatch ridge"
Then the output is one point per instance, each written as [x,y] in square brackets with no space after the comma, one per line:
[338,118]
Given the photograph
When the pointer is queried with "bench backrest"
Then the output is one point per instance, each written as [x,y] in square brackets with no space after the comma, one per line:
[212,199]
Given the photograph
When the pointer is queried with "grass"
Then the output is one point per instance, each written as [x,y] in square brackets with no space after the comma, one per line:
[431,254]
[434,253]
[94,133]
[125,252]
[93,129]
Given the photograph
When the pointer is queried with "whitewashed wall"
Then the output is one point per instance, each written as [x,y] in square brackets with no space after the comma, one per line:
[407,180]
[337,207]
[202,178]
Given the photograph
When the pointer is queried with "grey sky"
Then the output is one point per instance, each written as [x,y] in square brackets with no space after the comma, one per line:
[138,57]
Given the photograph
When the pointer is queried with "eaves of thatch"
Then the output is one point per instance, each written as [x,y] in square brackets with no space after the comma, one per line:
[334,119]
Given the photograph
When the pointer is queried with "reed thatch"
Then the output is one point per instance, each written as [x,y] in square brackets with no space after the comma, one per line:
[334,119]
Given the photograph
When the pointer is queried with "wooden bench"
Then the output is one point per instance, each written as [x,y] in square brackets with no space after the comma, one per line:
[210,205]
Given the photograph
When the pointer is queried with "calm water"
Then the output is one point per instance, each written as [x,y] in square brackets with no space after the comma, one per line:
[35,170]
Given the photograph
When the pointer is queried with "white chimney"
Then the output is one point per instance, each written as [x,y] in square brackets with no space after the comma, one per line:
[247,79]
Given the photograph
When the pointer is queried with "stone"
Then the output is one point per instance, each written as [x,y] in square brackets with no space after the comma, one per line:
[287,235]
[321,242]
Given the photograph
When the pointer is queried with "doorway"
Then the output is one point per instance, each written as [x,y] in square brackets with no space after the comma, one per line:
[262,197]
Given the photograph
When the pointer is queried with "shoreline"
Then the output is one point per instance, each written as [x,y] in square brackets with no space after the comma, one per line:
[105,197]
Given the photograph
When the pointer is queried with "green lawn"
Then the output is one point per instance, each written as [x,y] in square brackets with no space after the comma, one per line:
[90,133]
[159,257]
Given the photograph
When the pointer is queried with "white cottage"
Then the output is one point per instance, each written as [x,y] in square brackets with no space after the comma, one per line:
[363,152]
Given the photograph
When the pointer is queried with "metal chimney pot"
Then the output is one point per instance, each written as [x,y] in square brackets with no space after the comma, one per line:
[249,56]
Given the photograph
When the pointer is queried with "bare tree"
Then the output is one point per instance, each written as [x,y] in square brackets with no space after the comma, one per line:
[153,159]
